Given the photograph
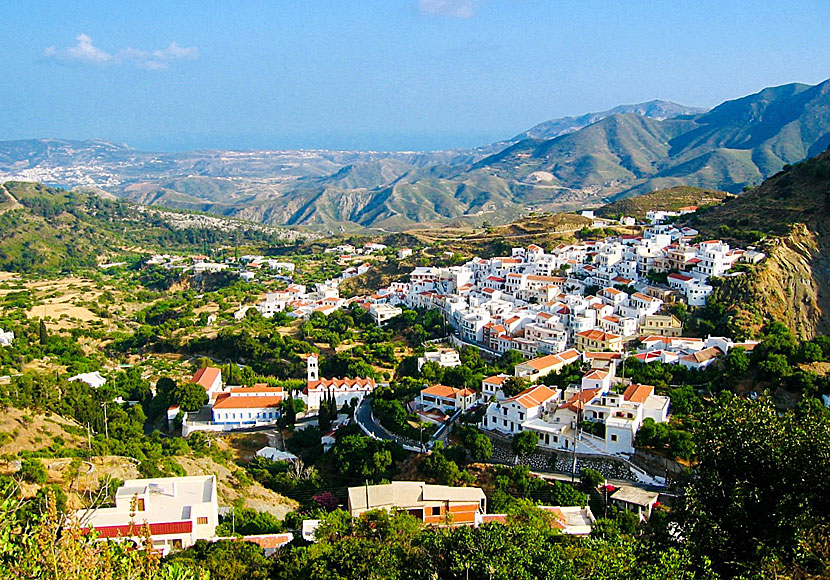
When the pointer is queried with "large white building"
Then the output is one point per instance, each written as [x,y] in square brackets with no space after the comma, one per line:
[248,406]
[177,511]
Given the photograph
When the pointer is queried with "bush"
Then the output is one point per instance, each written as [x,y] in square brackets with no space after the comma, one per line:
[32,470]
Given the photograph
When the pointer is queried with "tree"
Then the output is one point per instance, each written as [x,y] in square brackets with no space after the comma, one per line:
[512,386]
[32,470]
[591,479]
[524,443]
[762,483]
[735,364]
[481,447]
[775,367]
[189,397]
[809,352]
[459,377]
[43,333]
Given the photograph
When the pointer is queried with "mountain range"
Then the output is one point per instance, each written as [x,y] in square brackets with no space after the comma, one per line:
[561,164]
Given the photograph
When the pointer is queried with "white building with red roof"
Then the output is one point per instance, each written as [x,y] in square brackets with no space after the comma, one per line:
[537,368]
[445,399]
[177,511]
[248,406]
[210,378]
[344,391]
[510,415]
[492,387]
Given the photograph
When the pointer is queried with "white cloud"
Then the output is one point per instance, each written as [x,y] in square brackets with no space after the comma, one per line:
[85,52]
[456,8]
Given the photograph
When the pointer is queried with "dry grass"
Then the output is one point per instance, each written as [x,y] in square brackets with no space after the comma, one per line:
[29,431]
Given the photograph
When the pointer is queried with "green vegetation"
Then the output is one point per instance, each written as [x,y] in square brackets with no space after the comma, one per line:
[671,199]
[64,231]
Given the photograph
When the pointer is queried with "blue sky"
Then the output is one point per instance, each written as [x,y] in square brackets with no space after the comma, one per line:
[380,74]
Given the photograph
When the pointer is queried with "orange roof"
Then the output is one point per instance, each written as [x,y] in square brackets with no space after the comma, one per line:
[597,335]
[268,541]
[704,355]
[596,375]
[544,362]
[578,401]
[446,392]
[206,376]
[603,355]
[641,296]
[496,380]
[257,388]
[341,383]
[638,393]
[532,396]
[229,401]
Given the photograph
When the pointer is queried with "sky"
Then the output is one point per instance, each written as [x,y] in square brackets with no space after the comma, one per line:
[380,74]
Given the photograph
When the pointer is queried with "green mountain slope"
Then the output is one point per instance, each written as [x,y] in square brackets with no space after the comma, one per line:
[47,230]
[671,199]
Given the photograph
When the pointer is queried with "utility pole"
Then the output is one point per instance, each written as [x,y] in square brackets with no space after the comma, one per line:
[106,426]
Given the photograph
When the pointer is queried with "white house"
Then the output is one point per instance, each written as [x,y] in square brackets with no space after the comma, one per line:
[509,415]
[210,378]
[445,399]
[383,313]
[446,357]
[702,358]
[94,379]
[537,368]
[6,338]
[636,500]
[248,406]
[177,510]
[492,387]
[275,454]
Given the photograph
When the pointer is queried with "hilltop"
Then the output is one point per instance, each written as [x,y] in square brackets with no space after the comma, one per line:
[790,212]
[48,230]
[671,199]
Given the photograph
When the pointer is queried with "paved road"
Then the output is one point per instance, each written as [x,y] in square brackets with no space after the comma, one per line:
[363,414]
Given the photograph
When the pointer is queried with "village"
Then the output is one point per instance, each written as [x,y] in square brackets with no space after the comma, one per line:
[590,306]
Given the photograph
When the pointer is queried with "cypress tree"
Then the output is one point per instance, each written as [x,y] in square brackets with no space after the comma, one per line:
[43,334]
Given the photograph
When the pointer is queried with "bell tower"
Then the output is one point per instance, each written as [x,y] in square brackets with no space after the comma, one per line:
[312,368]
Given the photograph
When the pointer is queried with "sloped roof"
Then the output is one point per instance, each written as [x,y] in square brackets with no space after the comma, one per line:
[638,393]
[206,376]
[532,396]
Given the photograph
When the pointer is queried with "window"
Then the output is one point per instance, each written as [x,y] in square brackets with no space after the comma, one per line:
[201,520]
[613,437]
[139,504]
[436,510]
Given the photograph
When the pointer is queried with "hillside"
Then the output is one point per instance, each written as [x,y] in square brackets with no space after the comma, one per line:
[793,284]
[47,230]
[738,143]
[559,165]
[671,199]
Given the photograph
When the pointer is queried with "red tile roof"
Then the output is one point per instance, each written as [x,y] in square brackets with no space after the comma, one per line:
[532,396]
[206,376]
[136,529]
[638,393]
